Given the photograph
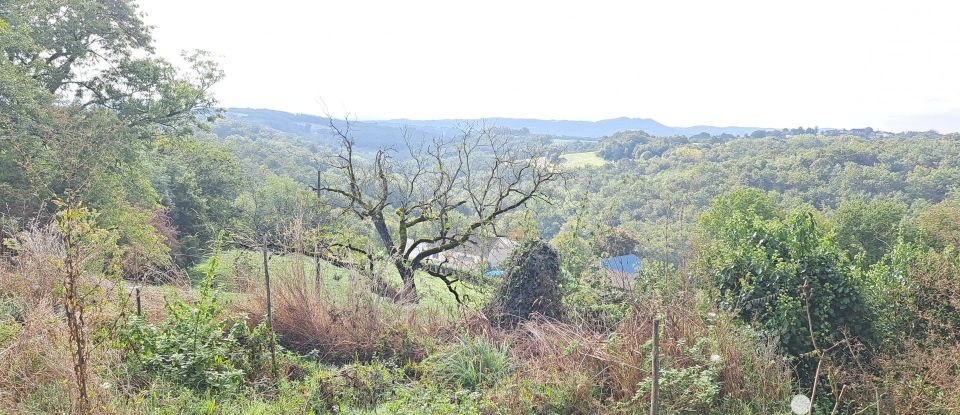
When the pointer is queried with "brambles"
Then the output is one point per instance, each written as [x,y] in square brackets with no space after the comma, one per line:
[196,346]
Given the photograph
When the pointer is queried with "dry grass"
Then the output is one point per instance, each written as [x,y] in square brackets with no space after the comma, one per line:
[36,368]
[920,380]
[33,273]
[341,328]
[617,363]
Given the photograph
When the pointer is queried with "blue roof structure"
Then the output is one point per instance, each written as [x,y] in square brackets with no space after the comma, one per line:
[494,273]
[628,264]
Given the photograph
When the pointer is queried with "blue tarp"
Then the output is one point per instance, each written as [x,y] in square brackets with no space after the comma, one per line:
[494,273]
[626,263]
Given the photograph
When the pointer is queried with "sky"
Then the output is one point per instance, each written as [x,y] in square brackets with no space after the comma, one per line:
[893,65]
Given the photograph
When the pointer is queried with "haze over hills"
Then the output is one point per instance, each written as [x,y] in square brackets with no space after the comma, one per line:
[389,130]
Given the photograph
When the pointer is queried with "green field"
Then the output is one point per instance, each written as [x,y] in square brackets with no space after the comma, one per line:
[581,160]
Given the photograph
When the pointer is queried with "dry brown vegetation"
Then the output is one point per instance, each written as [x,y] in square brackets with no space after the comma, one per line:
[338,328]
[35,364]
[614,365]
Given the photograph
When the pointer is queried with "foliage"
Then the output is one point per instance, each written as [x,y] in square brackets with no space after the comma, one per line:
[788,277]
[84,95]
[868,228]
[197,181]
[691,389]
[195,346]
[85,249]
[472,363]
[431,399]
[939,226]
[915,291]
[353,386]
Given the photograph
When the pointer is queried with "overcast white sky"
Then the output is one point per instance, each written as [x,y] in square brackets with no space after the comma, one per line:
[763,63]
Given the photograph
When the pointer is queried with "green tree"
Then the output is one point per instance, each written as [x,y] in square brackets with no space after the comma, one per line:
[83,96]
[940,224]
[198,182]
[786,275]
[868,228]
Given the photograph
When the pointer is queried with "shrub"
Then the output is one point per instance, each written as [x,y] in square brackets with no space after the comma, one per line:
[690,388]
[472,363]
[353,386]
[787,276]
[593,301]
[917,293]
[195,346]
[745,371]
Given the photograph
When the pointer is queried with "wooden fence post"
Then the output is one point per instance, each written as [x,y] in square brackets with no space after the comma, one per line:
[266,278]
[139,308]
[655,390]
[316,248]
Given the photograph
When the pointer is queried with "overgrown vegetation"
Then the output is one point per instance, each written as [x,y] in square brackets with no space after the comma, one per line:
[471,275]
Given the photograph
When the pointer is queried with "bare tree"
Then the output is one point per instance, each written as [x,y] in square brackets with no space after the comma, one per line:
[436,195]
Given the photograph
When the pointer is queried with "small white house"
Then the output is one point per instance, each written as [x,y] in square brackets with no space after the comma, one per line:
[477,254]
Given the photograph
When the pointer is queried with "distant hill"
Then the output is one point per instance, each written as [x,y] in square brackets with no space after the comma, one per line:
[584,129]
[387,133]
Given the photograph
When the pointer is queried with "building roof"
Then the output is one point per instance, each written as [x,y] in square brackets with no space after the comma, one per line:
[628,264]
[485,252]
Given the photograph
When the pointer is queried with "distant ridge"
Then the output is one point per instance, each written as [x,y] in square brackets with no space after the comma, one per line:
[584,129]
[301,124]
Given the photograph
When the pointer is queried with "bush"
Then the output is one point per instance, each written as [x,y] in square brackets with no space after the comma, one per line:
[473,363]
[593,301]
[788,277]
[353,386]
[917,293]
[196,347]
[745,372]
[690,388]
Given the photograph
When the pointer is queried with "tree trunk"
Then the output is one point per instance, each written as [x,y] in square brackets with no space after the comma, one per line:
[409,291]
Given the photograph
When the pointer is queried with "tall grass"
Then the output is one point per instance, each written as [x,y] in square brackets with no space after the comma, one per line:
[345,326]
[471,363]
[697,348]
[36,368]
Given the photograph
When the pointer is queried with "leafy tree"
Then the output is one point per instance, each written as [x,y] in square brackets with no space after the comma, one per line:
[788,276]
[99,54]
[940,224]
[868,228]
[83,97]
[198,182]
